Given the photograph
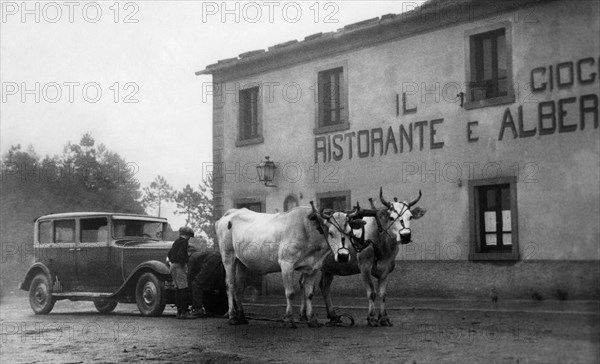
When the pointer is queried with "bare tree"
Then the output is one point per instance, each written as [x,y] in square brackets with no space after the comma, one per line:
[158,192]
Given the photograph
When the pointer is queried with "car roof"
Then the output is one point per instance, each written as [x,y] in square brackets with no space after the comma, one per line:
[112,214]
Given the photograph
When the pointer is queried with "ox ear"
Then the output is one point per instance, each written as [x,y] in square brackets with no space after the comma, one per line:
[357,224]
[417,212]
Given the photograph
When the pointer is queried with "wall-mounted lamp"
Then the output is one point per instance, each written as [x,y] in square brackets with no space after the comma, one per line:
[266,172]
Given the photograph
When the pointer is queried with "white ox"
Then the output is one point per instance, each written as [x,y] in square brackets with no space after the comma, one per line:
[293,241]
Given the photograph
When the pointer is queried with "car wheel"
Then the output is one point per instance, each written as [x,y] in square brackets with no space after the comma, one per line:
[105,306]
[150,295]
[40,295]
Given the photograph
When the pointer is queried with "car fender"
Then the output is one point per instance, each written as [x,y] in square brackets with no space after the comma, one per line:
[153,266]
[32,272]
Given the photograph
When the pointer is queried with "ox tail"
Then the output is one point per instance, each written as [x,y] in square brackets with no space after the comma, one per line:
[224,234]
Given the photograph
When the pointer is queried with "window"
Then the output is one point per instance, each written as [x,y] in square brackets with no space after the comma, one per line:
[494,218]
[94,230]
[249,117]
[289,203]
[332,109]
[338,201]
[137,228]
[252,204]
[489,67]
[64,231]
[45,232]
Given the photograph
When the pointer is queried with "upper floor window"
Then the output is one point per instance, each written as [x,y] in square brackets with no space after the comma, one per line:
[330,96]
[332,110]
[250,114]
[489,72]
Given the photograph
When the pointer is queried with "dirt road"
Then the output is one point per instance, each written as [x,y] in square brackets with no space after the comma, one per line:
[75,333]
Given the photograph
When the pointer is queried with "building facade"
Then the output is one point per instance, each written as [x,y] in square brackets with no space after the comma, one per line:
[490,109]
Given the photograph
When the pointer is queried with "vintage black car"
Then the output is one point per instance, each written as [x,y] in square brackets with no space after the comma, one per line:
[102,257]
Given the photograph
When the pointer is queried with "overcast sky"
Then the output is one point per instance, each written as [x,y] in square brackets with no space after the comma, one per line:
[124,72]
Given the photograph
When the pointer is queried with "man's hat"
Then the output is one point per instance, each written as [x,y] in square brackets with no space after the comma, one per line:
[186,231]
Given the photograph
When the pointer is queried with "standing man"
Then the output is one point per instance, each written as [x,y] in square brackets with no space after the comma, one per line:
[178,258]
[206,276]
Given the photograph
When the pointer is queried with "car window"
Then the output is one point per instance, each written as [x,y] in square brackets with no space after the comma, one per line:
[94,230]
[45,232]
[64,231]
[137,228]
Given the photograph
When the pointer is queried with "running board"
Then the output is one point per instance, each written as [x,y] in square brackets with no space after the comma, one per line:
[81,295]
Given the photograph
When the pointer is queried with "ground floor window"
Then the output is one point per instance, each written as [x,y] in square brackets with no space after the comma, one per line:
[338,201]
[289,203]
[255,205]
[493,212]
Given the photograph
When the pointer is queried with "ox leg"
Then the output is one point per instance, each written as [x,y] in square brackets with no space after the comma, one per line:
[365,274]
[229,261]
[325,286]
[308,280]
[303,316]
[240,284]
[384,320]
[287,275]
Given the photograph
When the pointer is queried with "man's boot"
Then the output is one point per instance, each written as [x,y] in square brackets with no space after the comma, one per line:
[178,302]
[185,315]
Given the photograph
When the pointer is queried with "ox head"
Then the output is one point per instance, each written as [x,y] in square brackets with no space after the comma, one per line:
[400,214]
[337,228]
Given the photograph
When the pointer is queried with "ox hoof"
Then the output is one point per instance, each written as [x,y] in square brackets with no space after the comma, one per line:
[238,321]
[303,318]
[385,321]
[290,325]
[314,323]
[334,321]
[372,322]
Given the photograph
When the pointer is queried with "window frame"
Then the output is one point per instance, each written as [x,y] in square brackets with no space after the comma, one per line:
[258,138]
[476,250]
[344,123]
[336,194]
[250,200]
[470,71]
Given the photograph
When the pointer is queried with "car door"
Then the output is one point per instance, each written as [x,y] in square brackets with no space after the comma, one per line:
[93,272]
[57,250]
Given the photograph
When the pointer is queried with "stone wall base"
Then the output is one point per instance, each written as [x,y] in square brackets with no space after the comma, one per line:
[468,279]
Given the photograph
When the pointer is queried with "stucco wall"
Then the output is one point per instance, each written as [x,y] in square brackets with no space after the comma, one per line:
[557,174]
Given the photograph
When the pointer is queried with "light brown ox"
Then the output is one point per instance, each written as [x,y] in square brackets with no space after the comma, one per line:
[377,259]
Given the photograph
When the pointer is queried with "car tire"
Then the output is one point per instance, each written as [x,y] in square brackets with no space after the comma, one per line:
[105,306]
[150,295]
[40,295]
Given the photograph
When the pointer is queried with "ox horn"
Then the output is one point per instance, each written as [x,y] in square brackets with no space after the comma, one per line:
[355,211]
[383,201]
[372,204]
[411,204]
